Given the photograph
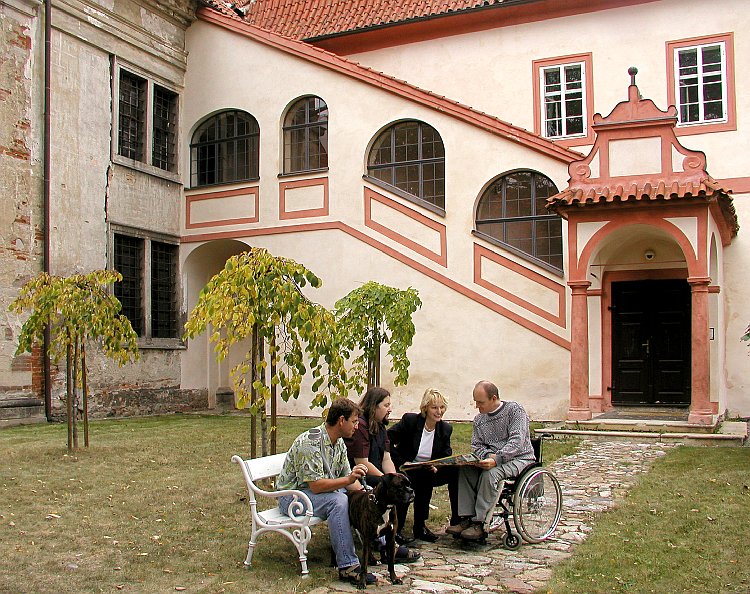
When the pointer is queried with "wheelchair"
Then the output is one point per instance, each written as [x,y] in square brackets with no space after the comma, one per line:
[533,499]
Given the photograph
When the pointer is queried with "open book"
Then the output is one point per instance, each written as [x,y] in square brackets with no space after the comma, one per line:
[459,460]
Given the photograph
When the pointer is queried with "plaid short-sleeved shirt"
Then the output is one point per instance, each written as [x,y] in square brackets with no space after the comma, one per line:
[304,462]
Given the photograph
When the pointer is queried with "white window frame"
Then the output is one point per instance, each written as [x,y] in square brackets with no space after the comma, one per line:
[701,83]
[563,93]
[145,165]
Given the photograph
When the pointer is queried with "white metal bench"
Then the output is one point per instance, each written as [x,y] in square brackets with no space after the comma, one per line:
[296,526]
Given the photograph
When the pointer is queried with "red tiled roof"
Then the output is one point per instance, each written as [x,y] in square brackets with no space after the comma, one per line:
[220,15]
[306,19]
[647,191]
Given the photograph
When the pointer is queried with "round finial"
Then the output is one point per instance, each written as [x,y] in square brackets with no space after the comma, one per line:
[632,71]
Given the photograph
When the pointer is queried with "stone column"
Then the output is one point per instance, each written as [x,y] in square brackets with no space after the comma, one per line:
[579,352]
[702,410]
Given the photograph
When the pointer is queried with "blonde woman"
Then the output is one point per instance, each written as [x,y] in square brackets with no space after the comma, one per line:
[419,437]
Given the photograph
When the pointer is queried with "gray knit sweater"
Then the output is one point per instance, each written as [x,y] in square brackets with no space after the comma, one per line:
[503,434]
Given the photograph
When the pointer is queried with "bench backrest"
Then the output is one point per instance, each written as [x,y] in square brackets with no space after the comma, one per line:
[265,467]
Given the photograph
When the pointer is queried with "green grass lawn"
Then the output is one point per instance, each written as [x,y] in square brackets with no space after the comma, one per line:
[683,528]
[154,505]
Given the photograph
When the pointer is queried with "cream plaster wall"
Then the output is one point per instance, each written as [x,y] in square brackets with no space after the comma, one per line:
[492,70]
[447,352]
[737,314]
[457,343]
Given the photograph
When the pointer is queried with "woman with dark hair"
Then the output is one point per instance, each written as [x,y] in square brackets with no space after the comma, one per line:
[419,437]
[370,446]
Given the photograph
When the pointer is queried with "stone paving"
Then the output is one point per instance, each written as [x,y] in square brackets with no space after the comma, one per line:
[592,481]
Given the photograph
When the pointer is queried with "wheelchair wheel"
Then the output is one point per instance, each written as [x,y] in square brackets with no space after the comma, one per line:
[511,541]
[537,505]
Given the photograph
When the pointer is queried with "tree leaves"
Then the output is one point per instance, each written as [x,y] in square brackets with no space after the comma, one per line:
[259,290]
[371,315]
[76,309]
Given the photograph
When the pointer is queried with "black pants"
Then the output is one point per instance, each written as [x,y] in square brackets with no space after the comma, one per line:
[423,480]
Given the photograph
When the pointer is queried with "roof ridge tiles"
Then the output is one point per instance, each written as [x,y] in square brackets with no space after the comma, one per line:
[493,124]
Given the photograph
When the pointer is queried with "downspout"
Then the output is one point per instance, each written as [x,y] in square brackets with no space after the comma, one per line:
[46,195]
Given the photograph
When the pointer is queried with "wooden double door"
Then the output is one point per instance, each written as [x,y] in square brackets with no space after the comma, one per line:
[651,346]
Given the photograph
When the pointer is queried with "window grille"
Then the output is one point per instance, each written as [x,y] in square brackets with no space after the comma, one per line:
[163,290]
[512,211]
[410,157]
[164,129]
[306,136]
[132,110]
[128,261]
[225,149]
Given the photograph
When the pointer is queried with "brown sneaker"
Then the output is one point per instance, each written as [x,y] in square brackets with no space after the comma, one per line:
[474,532]
[457,529]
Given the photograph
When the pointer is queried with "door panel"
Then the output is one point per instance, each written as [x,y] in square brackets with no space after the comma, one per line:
[651,343]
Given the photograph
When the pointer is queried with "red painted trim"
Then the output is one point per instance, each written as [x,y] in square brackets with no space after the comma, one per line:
[536,68]
[404,259]
[190,198]
[731,122]
[439,258]
[463,113]
[494,17]
[622,217]
[737,185]
[715,289]
[556,318]
[285,214]
[606,315]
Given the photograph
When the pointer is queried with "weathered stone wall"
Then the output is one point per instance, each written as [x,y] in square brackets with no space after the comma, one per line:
[131,402]
[88,191]
[21,215]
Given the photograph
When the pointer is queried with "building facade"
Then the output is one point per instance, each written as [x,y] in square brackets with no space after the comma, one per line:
[564,185]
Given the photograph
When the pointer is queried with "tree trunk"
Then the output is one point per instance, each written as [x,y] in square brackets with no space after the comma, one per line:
[274,425]
[75,392]
[85,389]
[253,419]
[69,393]
[262,380]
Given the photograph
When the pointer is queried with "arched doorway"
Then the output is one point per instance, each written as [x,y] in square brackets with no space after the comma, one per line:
[200,370]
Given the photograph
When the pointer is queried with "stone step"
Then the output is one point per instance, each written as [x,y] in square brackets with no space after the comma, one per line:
[10,415]
[728,434]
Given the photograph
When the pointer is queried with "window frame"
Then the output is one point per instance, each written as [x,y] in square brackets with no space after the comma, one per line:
[587,80]
[729,122]
[146,339]
[254,168]
[145,162]
[420,162]
[535,217]
[287,129]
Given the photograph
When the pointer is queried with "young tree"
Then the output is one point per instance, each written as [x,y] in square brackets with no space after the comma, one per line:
[77,309]
[258,297]
[369,316]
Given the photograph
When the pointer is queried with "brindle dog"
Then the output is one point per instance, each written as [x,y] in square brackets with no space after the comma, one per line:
[373,513]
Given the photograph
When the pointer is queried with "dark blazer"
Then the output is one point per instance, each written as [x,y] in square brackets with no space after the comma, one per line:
[407,433]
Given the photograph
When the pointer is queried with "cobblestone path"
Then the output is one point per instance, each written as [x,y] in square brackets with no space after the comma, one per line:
[592,480]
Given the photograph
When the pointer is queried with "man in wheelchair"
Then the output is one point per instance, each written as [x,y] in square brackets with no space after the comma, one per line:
[501,440]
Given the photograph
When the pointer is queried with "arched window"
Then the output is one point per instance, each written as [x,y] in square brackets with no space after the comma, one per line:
[410,157]
[225,149]
[306,135]
[512,211]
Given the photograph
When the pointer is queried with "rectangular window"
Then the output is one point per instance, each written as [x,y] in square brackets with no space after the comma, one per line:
[146,118]
[701,83]
[563,100]
[701,72]
[148,290]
